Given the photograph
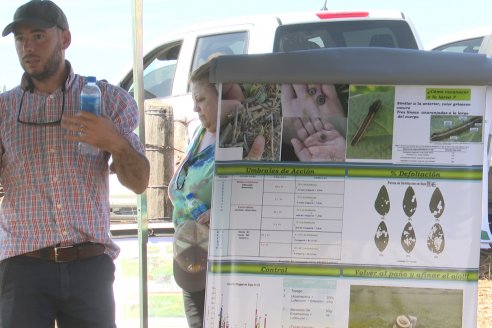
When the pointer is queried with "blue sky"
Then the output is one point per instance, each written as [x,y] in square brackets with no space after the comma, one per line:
[102,30]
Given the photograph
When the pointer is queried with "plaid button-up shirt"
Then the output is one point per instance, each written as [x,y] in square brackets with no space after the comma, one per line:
[53,194]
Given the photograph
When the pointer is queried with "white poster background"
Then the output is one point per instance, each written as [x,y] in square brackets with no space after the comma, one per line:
[236,299]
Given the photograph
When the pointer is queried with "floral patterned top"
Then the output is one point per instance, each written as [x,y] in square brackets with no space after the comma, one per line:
[194,175]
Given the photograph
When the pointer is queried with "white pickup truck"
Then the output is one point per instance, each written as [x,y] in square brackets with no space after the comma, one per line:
[168,65]
[475,41]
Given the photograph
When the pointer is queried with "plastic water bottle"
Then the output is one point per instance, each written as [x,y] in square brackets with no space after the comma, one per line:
[196,206]
[90,101]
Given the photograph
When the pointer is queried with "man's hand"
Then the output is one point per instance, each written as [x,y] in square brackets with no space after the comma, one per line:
[131,167]
[98,131]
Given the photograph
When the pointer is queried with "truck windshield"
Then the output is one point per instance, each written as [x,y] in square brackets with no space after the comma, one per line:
[368,33]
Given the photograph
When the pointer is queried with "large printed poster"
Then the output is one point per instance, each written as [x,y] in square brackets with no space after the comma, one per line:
[363,211]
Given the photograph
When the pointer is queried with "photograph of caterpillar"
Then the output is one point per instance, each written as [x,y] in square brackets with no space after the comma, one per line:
[455,128]
[370,121]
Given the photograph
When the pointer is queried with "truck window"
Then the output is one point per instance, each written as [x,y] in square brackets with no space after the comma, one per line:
[160,67]
[462,46]
[369,33]
[219,44]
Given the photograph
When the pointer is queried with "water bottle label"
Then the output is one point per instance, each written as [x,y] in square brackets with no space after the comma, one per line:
[198,211]
[90,104]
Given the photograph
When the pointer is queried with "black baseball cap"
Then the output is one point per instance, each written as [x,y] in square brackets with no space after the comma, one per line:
[38,13]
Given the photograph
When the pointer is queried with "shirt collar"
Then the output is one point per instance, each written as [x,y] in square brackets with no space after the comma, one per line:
[27,84]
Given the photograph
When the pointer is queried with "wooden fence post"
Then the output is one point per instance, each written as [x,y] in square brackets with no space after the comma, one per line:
[159,136]
[166,142]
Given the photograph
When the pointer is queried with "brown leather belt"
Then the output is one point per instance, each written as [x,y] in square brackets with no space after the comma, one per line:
[68,253]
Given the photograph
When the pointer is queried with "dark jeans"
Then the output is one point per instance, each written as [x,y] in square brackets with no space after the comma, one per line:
[194,304]
[79,294]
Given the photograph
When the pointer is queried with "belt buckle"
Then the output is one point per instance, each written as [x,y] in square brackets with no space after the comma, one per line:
[56,249]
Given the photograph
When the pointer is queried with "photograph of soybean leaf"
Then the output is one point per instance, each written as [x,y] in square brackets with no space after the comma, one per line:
[455,128]
[383,306]
[370,122]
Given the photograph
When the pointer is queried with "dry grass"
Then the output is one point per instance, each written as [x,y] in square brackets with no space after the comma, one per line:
[484,318]
[259,114]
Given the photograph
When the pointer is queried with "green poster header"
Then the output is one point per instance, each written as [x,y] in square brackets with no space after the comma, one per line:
[275,269]
[448,94]
[414,274]
[417,173]
[341,271]
[469,173]
[335,171]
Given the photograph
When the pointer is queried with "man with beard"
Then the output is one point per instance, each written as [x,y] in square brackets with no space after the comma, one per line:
[56,253]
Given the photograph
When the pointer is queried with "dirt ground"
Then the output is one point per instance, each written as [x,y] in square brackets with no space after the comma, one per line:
[484,319]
